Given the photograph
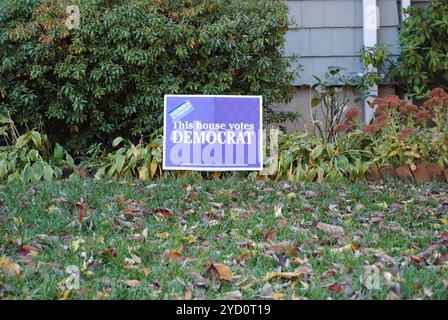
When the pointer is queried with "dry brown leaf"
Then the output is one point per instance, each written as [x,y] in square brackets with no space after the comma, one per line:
[137,259]
[445,283]
[266,292]
[100,295]
[172,256]
[335,288]
[24,250]
[132,283]
[329,228]
[278,296]
[188,294]
[348,247]
[10,268]
[286,275]
[120,199]
[199,280]
[233,295]
[65,295]
[217,271]
[392,296]
[109,252]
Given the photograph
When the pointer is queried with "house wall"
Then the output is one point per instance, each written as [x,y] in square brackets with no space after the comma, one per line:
[330,33]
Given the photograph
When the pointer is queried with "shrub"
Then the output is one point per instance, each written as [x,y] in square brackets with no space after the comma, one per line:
[108,78]
[424,48]
[407,134]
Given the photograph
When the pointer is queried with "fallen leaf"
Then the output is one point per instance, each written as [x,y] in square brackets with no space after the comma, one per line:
[444,236]
[335,288]
[278,296]
[188,294]
[348,247]
[120,199]
[172,256]
[82,209]
[269,235]
[65,295]
[163,235]
[77,243]
[191,239]
[163,212]
[137,259]
[328,274]
[132,283]
[392,296]
[278,211]
[126,224]
[109,252]
[286,275]
[233,295]
[10,268]
[445,283]
[199,280]
[428,292]
[100,295]
[146,271]
[329,228]
[291,195]
[243,258]
[24,250]
[217,271]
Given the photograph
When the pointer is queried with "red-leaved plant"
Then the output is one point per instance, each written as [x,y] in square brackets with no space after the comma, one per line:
[403,133]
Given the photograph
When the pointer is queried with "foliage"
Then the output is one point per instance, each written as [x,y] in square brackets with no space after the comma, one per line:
[142,160]
[157,240]
[29,157]
[306,158]
[330,94]
[109,78]
[376,61]
[424,48]
[403,133]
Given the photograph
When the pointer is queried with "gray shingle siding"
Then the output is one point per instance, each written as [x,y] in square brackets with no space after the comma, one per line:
[329,32]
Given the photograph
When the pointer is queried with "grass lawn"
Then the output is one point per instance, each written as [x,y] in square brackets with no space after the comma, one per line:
[232,238]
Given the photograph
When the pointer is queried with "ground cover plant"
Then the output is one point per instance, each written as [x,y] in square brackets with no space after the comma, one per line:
[195,239]
[31,157]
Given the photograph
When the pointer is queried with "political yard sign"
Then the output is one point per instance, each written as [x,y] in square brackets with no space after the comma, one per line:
[213,133]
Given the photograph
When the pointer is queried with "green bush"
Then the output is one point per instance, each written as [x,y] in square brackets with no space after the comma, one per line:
[108,78]
[424,48]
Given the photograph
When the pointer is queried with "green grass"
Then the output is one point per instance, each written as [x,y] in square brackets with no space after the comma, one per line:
[230,222]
